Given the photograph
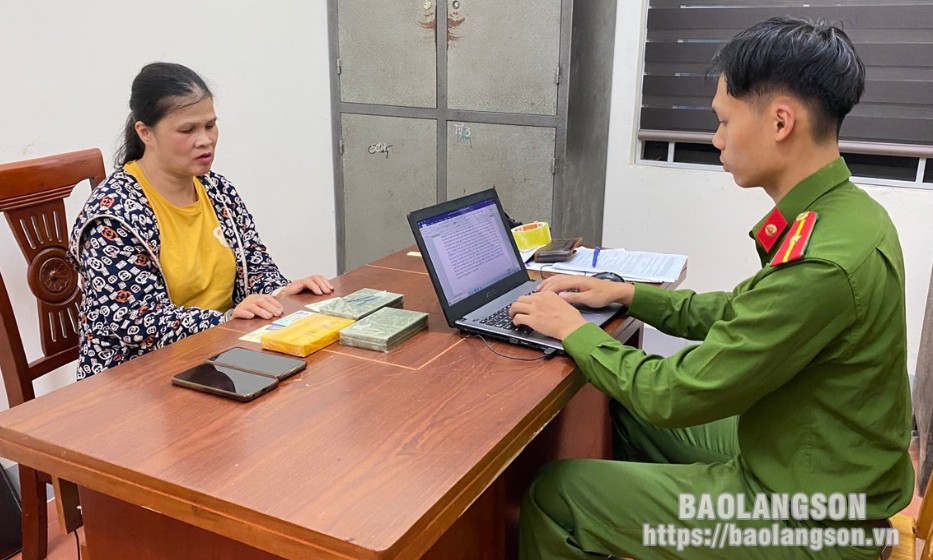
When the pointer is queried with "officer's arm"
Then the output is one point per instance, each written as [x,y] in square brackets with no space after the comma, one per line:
[680,313]
[774,330]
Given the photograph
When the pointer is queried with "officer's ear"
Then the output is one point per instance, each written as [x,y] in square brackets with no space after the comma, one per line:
[785,120]
[784,115]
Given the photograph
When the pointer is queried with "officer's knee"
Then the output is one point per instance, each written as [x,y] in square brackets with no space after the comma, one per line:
[623,424]
[551,492]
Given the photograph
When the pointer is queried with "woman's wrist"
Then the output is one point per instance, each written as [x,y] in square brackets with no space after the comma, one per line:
[280,289]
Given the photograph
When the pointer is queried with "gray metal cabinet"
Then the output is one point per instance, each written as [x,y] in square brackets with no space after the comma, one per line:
[516,160]
[504,56]
[389,166]
[512,95]
[384,57]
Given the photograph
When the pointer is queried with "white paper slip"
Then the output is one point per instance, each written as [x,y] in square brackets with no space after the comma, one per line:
[529,253]
[256,335]
[632,265]
[292,317]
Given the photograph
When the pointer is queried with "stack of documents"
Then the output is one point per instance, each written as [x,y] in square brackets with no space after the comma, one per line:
[385,329]
[358,304]
[306,335]
[637,266]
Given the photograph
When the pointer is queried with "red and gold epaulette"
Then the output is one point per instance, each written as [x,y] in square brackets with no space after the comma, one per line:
[798,236]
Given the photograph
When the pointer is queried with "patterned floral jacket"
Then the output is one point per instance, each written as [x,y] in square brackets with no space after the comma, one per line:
[126,310]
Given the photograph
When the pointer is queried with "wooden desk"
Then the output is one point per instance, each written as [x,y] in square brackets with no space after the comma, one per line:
[420,452]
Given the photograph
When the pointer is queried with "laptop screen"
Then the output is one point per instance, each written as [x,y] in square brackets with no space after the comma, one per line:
[470,249]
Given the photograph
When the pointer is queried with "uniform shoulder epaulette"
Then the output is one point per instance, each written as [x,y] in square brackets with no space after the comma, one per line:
[798,236]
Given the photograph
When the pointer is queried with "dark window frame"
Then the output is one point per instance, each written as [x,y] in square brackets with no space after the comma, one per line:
[894,39]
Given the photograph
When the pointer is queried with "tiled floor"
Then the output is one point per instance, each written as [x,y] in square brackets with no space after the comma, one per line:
[64,547]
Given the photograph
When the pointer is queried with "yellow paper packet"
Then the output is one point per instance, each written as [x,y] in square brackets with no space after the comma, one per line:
[306,335]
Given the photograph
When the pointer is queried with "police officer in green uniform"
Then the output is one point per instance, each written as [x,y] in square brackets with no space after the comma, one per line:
[798,387]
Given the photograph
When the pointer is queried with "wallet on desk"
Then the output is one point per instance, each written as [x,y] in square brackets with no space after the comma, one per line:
[558,250]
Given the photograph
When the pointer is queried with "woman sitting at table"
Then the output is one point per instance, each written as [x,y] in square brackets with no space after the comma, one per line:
[165,247]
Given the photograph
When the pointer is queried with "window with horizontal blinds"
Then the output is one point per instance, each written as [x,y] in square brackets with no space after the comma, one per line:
[894,38]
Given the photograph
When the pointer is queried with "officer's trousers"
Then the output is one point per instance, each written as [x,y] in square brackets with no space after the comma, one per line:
[587,509]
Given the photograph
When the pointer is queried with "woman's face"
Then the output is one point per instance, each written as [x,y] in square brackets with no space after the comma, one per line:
[183,142]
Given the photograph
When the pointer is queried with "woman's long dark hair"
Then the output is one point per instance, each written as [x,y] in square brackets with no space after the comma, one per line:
[158,89]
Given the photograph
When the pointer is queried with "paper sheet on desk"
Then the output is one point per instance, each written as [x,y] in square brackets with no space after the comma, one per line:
[631,265]
[529,253]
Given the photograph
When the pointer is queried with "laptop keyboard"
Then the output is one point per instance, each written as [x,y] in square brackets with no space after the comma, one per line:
[501,319]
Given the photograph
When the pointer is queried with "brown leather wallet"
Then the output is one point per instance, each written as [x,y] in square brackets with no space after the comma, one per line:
[557,250]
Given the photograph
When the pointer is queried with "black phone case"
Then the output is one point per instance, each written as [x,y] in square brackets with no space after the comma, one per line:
[557,250]
[271,383]
[299,364]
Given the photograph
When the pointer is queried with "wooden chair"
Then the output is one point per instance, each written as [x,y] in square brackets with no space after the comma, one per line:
[32,198]
[912,529]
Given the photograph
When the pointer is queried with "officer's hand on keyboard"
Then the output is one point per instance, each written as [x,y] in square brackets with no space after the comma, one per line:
[502,320]
[547,313]
[589,291]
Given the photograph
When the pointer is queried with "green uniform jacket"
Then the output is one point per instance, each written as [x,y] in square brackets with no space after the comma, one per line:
[810,354]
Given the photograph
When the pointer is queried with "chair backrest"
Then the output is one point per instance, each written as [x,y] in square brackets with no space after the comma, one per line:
[925,525]
[923,395]
[32,197]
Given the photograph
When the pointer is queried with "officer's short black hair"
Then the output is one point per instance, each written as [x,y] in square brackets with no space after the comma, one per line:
[813,60]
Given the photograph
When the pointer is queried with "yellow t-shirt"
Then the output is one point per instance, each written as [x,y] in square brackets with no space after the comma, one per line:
[198,264]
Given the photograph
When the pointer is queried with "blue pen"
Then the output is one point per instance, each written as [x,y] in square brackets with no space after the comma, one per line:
[595,255]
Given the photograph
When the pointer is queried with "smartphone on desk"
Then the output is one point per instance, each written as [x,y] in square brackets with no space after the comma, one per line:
[557,250]
[225,382]
[261,363]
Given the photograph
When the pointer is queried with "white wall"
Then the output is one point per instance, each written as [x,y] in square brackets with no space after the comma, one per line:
[703,214]
[67,70]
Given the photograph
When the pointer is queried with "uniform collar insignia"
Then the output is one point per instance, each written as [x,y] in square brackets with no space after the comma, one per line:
[772,228]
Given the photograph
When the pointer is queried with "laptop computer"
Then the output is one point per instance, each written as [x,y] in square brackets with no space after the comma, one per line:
[477,271]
